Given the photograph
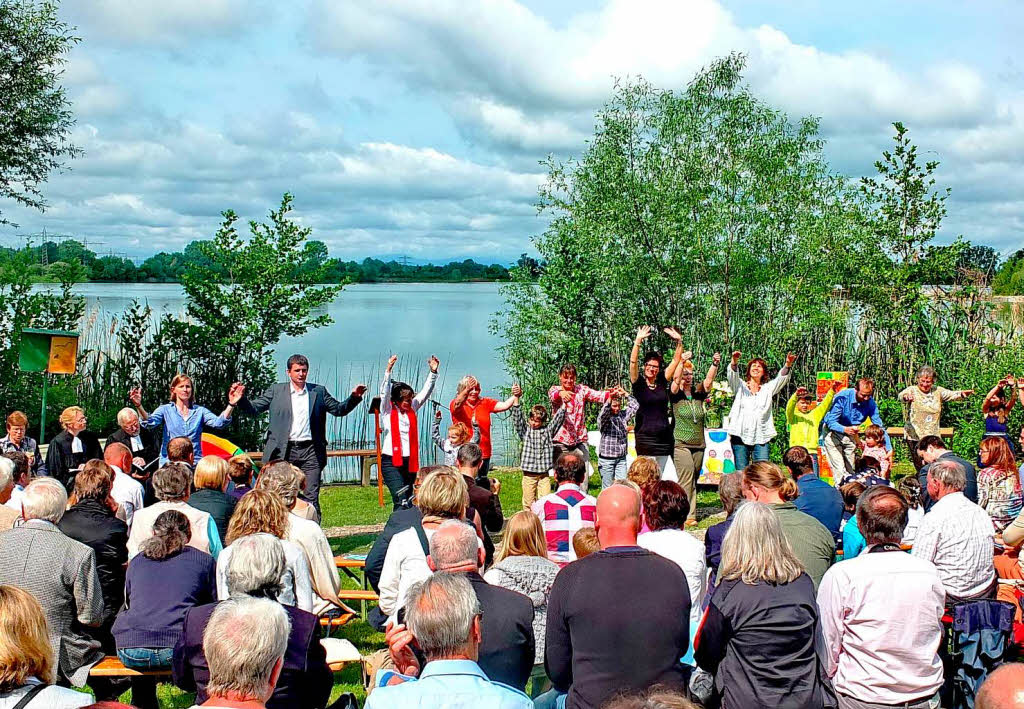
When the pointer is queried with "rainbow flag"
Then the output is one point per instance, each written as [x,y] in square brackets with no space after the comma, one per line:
[220,447]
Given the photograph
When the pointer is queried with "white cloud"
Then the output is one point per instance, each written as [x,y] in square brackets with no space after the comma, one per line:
[164,23]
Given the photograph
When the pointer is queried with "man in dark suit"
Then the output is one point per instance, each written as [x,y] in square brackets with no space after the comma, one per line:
[506,629]
[932,449]
[298,422]
[144,443]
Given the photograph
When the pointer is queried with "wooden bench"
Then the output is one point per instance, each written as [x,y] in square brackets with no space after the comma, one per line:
[899,432]
[367,459]
[111,666]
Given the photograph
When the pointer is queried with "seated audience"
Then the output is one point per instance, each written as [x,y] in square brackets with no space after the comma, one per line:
[881,615]
[180,449]
[163,581]
[22,474]
[999,488]
[244,644]
[17,440]
[656,698]
[507,648]
[867,471]
[91,521]
[171,484]
[280,479]
[256,568]
[666,508]
[262,512]
[127,492]
[210,496]
[816,497]
[812,543]
[61,573]
[597,647]
[566,510]
[730,492]
[1004,688]
[910,488]
[853,540]
[956,536]
[72,447]
[522,565]
[27,659]
[8,515]
[585,542]
[441,497]
[240,469]
[302,508]
[643,472]
[445,619]
[483,499]
[142,443]
[758,635]
[932,449]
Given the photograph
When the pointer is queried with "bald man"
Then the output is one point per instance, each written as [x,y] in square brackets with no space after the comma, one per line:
[619,619]
[1004,688]
[127,492]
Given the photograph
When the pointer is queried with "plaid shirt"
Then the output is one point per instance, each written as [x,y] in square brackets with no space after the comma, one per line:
[957,537]
[562,514]
[538,445]
[575,429]
[614,437]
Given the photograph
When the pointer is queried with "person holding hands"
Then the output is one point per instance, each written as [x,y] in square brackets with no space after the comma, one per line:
[537,434]
[473,411]
[614,443]
[751,426]
[803,417]
[399,439]
[653,432]
[688,412]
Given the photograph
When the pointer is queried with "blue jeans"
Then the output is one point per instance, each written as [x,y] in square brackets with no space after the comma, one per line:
[611,469]
[552,699]
[145,658]
[745,455]
[814,462]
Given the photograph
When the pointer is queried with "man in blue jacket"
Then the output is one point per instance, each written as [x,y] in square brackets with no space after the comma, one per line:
[850,408]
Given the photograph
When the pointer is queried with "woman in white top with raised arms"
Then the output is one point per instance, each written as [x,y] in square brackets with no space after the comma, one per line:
[750,420]
[399,441]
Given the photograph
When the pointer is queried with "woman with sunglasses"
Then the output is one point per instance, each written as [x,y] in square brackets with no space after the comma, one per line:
[650,389]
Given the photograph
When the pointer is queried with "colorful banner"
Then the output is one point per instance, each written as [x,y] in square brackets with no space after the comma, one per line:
[718,458]
[836,381]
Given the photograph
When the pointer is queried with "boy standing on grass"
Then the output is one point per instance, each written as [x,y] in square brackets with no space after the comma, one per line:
[538,444]
[611,422]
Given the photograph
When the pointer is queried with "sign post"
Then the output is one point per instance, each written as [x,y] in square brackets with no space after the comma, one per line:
[49,352]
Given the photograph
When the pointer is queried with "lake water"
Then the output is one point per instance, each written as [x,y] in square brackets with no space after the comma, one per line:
[371,321]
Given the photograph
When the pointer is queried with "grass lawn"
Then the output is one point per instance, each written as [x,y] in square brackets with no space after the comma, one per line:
[352,505]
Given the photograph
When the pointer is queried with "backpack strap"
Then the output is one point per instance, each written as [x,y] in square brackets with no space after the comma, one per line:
[29,696]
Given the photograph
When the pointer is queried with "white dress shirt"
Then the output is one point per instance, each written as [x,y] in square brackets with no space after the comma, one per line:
[403,418]
[128,493]
[688,553]
[136,443]
[300,414]
[881,617]
[958,537]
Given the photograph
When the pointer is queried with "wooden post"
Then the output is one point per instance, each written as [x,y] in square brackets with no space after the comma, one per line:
[375,408]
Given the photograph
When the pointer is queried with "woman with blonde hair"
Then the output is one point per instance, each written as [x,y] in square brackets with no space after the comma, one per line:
[211,483]
[522,565]
[263,512]
[182,417]
[442,496]
[302,508]
[71,448]
[474,412]
[643,473]
[26,656]
[811,541]
[758,634]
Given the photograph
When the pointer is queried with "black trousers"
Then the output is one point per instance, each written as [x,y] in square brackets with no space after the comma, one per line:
[302,455]
[398,479]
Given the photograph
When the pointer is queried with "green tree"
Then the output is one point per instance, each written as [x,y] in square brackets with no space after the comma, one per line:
[35,114]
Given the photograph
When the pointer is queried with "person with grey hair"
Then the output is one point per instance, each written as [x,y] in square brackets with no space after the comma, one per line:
[172,485]
[8,515]
[507,650]
[444,617]
[881,615]
[280,479]
[957,536]
[255,568]
[61,573]
[759,632]
[245,644]
[924,400]
[143,443]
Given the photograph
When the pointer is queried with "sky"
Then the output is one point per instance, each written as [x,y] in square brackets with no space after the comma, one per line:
[417,127]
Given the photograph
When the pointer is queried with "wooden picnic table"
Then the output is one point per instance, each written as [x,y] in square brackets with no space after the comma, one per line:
[355,569]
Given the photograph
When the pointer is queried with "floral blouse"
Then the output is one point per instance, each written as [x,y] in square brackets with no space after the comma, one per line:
[1000,494]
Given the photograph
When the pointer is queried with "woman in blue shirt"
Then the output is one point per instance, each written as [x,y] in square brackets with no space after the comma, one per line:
[183,417]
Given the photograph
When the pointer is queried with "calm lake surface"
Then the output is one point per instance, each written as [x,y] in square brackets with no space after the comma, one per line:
[371,321]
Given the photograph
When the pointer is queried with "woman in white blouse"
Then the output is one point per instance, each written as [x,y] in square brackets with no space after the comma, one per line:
[399,442]
[442,496]
[750,420]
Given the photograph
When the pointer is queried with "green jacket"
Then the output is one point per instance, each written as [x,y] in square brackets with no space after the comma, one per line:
[811,541]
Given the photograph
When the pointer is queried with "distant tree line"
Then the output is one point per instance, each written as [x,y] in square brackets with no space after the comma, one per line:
[72,261]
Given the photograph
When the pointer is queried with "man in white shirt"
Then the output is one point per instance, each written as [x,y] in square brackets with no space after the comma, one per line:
[127,491]
[881,615]
[957,536]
